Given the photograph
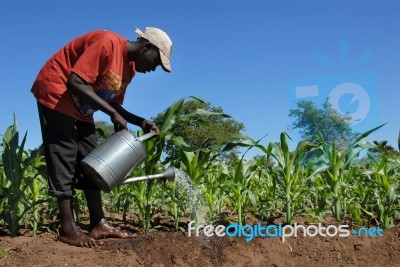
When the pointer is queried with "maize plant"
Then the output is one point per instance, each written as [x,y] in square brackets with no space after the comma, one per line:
[312,179]
[264,188]
[194,163]
[195,170]
[176,202]
[4,183]
[37,193]
[212,192]
[290,175]
[386,184]
[336,162]
[13,156]
[319,201]
[237,188]
[146,201]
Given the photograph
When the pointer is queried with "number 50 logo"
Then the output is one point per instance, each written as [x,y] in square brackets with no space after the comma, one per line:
[352,93]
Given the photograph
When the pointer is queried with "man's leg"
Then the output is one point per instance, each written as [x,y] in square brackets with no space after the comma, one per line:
[70,233]
[99,226]
[60,148]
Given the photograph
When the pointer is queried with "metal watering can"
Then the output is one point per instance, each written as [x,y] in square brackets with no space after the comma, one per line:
[110,163]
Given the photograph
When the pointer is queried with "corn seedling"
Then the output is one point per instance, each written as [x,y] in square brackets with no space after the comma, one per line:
[386,192]
[312,180]
[37,189]
[176,202]
[337,162]
[212,193]
[13,156]
[290,175]
[237,188]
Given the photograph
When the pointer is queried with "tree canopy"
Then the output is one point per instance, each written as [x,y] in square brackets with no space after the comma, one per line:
[203,131]
[333,126]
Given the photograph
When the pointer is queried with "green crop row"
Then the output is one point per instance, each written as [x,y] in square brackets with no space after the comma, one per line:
[315,181]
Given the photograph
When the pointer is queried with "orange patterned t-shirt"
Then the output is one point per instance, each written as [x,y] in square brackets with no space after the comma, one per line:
[100,59]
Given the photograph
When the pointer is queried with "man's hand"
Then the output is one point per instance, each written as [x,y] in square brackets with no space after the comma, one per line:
[118,121]
[148,126]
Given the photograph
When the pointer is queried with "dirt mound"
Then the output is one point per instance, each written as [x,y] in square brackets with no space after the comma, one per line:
[177,249]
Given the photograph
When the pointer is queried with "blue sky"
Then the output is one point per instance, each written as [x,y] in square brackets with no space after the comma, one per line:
[254,59]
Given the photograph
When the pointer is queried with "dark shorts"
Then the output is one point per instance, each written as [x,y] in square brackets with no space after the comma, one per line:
[66,141]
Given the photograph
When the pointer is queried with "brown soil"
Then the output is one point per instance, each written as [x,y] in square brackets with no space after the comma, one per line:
[177,249]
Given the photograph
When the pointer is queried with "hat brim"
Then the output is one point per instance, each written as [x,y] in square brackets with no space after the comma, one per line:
[165,63]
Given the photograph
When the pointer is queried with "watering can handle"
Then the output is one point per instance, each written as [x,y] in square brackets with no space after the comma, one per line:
[146,136]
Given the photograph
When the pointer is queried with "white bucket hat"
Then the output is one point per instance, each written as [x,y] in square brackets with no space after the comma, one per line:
[162,41]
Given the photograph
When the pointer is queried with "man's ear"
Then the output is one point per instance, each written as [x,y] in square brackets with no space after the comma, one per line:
[148,46]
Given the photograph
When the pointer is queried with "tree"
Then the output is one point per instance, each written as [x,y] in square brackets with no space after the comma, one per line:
[103,130]
[383,148]
[333,126]
[203,131]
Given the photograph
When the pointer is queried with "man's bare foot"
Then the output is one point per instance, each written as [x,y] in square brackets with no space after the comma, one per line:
[76,237]
[106,230]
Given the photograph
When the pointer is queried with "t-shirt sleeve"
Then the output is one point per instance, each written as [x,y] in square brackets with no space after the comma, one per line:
[92,63]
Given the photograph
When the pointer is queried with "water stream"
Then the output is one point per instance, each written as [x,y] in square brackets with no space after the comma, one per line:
[194,196]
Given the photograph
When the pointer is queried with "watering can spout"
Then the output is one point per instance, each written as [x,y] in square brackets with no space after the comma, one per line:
[169,174]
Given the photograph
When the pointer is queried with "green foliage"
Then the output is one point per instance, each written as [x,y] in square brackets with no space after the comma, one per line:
[290,174]
[336,163]
[212,190]
[200,125]
[238,190]
[13,157]
[175,202]
[333,126]
[103,130]
[36,193]
[20,180]
[317,179]
[386,191]
[382,148]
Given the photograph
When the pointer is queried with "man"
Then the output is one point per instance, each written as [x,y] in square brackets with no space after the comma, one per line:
[90,73]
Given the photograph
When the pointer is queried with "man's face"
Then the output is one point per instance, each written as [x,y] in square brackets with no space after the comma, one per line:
[149,59]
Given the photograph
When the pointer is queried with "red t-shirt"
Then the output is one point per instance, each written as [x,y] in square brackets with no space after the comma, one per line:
[100,59]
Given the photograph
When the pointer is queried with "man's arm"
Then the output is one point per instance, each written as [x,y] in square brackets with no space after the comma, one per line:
[146,125]
[84,91]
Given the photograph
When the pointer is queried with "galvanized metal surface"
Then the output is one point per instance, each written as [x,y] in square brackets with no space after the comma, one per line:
[111,162]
